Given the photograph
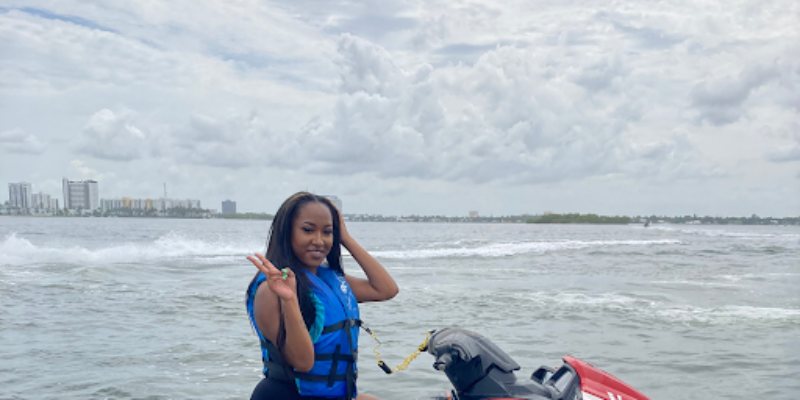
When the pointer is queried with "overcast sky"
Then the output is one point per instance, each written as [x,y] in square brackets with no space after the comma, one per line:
[426,107]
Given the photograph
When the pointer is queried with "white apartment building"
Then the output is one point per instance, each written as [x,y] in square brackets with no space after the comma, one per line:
[179,203]
[110,204]
[19,195]
[83,195]
[160,204]
[146,204]
[40,200]
[22,199]
[41,203]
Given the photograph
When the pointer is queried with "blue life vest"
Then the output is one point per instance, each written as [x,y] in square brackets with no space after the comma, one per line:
[335,350]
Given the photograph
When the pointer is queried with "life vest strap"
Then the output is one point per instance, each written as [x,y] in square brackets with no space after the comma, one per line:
[277,372]
[334,356]
[277,369]
[344,324]
[317,357]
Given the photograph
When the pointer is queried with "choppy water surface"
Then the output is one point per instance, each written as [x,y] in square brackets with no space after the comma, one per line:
[135,308]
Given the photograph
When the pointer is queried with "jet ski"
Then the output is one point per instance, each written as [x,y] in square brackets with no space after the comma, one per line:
[479,370]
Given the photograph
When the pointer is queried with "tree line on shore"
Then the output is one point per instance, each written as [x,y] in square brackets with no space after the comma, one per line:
[578,219]
[549,218]
[569,218]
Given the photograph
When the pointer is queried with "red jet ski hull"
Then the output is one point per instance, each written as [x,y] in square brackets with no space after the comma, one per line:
[597,384]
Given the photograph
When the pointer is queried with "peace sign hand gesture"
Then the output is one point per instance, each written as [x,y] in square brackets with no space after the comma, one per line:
[281,282]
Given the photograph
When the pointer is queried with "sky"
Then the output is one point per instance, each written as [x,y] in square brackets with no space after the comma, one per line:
[410,107]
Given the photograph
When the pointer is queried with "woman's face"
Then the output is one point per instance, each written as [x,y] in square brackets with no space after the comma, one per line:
[312,234]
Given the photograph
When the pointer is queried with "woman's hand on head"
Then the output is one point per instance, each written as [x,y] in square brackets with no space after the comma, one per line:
[286,289]
[344,235]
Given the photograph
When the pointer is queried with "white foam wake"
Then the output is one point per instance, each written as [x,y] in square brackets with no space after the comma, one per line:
[510,249]
[760,277]
[663,311]
[16,250]
[728,314]
[731,234]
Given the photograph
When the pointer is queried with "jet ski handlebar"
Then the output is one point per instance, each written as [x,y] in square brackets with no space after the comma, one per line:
[479,369]
[442,362]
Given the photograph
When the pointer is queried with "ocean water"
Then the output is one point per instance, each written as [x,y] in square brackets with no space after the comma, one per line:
[154,309]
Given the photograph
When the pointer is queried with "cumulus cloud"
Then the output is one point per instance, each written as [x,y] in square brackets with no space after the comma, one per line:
[513,116]
[53,56]
[789,81]
[431,32]
[17,141]
[238,141]
[230,141]
[650,38]
[787,153]
[673,158]
[719,99]
[602,74]
[503,119]
[86,172]
[114,136]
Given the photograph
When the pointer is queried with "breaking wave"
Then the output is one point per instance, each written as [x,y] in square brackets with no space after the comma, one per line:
[663,311]
[731,234]
[510,249]
[16,250]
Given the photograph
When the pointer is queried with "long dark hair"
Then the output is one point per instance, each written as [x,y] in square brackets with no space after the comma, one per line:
[281,255]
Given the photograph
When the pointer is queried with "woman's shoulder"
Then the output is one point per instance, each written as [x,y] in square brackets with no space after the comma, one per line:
[256,286]
[256,281]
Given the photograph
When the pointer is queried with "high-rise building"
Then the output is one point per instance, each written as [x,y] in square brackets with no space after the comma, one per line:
[65,192]
[335,200]
[229,207]
[19,195]
[94,194]
[83,195]
[147,204]
[40,201]
[110,204]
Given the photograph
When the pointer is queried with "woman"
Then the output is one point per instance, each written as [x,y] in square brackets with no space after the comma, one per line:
[306,316]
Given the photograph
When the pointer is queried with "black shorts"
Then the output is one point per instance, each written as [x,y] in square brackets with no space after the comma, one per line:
[273,389]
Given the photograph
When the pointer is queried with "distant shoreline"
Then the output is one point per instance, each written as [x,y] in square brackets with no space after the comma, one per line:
[549,219]
[96,217]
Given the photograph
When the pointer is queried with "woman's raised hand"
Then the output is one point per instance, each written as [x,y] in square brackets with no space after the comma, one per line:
[344,235]
[281,282]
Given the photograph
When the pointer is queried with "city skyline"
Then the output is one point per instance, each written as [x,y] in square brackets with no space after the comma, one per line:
[85,196]
[430,108]
[228,207]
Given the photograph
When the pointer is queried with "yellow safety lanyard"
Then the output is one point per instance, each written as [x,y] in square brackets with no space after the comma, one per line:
[385,367]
